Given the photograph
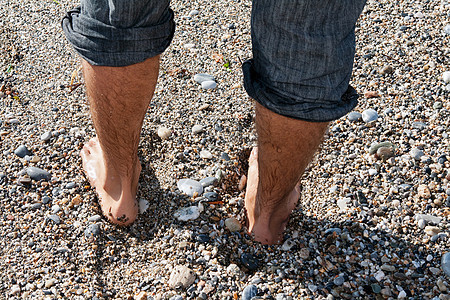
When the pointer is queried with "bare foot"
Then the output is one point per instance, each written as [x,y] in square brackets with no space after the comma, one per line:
[266,225]
[117,196]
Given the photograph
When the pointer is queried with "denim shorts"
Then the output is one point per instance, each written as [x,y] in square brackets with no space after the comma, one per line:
[303,50]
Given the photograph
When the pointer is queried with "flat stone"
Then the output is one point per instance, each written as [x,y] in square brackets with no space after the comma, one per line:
[46,136]
[181,276]
[196,129]
[249,292]
[428,218]
[189,187]
[22,151]
[201,77]
[369,115]
[205,154]
[288,245]
[304,253]
[209,85]
[38,174]
[344,203]
[416,153]
[94,218]
[445,263]
[208,181]
[92,230]
[354,116]
[143,205]
[54,218]
[187,213]
[446,76]
[233,224]
[432,230]
[164,133]
[423,191]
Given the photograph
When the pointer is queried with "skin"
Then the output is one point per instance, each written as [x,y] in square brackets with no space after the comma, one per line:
[285,148]
[118,98]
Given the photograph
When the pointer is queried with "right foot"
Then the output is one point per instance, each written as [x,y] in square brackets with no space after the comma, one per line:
[266,226]
[117,196]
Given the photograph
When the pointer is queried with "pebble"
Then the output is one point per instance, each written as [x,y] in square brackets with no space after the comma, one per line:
[93,230]
[205,154]
[187,213]
[143,205]
[428,218]
[249,292]
[209,85]
[249,261]
[376,146]
[416,153]
[55,218]
[197,129]
[233,224]
[194,12]
[38,174]
[304,253]
[211,196]
[354,116]
[432,230]
[15,290]
[164,133]
[22,151]
[445,263]
[421,223]
[46,136]
[209,181]
[190,187]
[369,115]
[423,191]
[339,280]
[386,70]
[181,276]
[49,283]
[94,218]
[201,77]
[344,203]
[446,76]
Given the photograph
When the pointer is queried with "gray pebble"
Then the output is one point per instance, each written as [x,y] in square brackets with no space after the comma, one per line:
[46,136]
[209,85]
[196,129]
[94,218]
[22,151]
[181,276]
[38,174]
[354,116]
[211,196]
[92,230]
[369,115]
[189,187]
[416,153]
[445,263]
[208,181]
[54,218]
[339,280]
[187,213]
[201,77]
[71,185]
[249,292]
[193,12]
[447,29]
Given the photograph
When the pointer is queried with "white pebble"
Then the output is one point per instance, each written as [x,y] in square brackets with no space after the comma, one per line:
[196,129]
[209,85]
[143,205]
[446,76]
[205,154]
[164,133]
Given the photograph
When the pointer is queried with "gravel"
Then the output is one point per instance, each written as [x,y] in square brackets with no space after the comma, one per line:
[372,221]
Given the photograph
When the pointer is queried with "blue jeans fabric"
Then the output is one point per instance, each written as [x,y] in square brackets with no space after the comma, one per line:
[303,50]
[119,32]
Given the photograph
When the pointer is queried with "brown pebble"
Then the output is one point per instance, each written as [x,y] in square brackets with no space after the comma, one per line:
[242,182]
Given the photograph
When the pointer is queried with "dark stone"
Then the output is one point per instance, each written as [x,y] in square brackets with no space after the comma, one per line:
[202,238]
[211,196]
[376,288]
[22,151]
[249,261]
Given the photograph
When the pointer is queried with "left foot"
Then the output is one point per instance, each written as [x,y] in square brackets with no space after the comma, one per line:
[266,226]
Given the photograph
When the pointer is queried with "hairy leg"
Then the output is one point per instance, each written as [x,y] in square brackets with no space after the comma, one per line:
[118,97]
[285,148]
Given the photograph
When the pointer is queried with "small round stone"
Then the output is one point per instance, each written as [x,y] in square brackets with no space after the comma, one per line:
[197,129]
[209,85]
[233,224]
[369,115]
[164,133]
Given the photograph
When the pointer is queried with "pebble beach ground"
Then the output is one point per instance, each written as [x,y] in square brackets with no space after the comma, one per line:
[373,218]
